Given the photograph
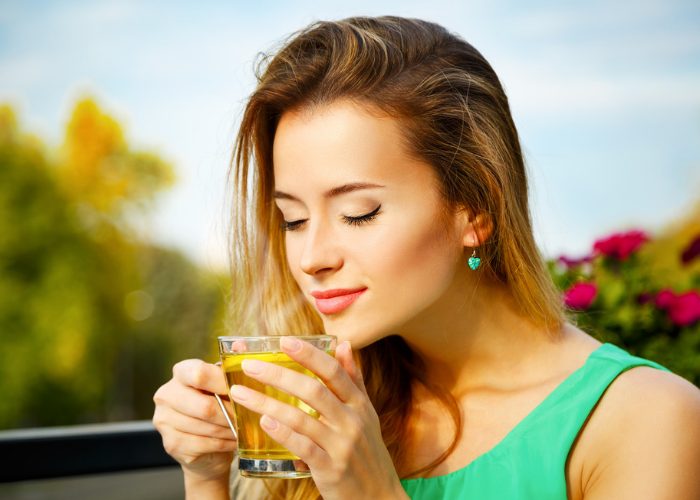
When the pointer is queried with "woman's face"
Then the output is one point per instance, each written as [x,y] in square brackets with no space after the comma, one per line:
[366,237]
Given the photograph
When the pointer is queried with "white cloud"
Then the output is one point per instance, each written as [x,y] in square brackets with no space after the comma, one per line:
[536,92]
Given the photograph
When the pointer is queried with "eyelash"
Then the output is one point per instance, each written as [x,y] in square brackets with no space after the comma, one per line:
[352,221]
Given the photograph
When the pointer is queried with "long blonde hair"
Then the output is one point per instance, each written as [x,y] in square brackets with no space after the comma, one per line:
[455,116]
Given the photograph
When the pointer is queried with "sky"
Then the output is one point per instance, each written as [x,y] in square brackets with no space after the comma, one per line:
[605,96]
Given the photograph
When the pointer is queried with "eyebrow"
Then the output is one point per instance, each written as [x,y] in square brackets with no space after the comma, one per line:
[336,191]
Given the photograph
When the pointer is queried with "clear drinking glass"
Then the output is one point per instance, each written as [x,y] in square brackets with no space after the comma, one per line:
[258,454]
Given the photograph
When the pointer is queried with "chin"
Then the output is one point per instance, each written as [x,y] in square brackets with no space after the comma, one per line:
[357,334]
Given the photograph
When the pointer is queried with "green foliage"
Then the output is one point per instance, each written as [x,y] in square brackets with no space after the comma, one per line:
[91,320]
[627,309]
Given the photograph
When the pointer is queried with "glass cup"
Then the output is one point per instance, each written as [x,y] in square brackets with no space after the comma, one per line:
[258,454]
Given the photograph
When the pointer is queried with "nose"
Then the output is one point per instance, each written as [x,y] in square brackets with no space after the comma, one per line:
[320,253]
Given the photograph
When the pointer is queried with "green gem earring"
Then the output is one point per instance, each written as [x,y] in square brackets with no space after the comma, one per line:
[474,261]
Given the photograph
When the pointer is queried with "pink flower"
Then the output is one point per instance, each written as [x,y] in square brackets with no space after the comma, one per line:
[685,309]
[570,262]
[580,295]
[682,309]
[620,245]
[664,299]
[691,252]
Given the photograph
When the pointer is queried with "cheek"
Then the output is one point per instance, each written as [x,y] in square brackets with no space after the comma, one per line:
[293,253]
[416,264]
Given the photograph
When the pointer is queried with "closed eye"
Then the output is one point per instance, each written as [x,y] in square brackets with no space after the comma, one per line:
[362,219]
[295,225]
[292,225]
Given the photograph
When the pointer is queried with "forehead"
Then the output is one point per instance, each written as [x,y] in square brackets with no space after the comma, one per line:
[341,142]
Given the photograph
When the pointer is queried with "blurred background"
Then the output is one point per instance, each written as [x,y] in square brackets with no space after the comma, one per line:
[117,120]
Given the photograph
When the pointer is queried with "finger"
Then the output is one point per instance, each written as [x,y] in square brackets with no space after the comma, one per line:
[324,366]
[239,346]
[300,445]
[178,444]
[190,402]
[200,375]
[165,416]
[344,355]
[309,389]
[291,416]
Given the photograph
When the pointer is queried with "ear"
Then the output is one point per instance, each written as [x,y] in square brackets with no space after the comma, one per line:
[476,229]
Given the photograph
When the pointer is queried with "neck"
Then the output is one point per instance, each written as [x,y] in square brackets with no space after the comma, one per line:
[475,337]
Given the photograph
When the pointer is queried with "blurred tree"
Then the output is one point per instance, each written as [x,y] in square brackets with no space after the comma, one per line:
[44,259]
[91,319]
[98,168]
[175,315]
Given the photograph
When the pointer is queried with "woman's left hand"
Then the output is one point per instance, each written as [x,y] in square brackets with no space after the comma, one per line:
[343,448]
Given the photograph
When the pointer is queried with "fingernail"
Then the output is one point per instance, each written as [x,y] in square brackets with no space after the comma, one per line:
[268,423]
[291,344]
[252,366]
[239,393]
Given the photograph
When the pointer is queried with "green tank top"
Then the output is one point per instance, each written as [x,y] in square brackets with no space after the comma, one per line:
[529,463]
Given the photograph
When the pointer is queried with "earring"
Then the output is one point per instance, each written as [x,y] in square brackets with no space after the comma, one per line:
[474,261]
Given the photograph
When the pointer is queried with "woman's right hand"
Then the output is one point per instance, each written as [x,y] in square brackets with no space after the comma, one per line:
[194,431]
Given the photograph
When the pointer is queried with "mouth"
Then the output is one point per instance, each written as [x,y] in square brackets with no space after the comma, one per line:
[335,301]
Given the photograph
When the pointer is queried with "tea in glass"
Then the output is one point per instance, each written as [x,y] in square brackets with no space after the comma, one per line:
[259,454]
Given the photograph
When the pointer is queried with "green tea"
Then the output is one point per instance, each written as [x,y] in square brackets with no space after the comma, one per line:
[253,442]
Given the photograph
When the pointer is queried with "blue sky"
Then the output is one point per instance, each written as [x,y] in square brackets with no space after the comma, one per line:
[605,94]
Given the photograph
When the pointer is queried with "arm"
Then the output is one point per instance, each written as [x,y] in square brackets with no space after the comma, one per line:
[194,431]
[652,448]
[197,488]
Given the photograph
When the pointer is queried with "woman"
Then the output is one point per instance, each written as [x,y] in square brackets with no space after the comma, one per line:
[381,196]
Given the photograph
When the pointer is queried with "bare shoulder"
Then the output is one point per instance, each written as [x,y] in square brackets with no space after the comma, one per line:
[648,386]
[647,398]
[647,441]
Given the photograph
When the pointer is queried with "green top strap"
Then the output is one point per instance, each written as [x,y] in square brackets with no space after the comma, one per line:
[530,462]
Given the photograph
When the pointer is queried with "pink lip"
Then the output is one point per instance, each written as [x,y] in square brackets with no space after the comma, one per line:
[334,301]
